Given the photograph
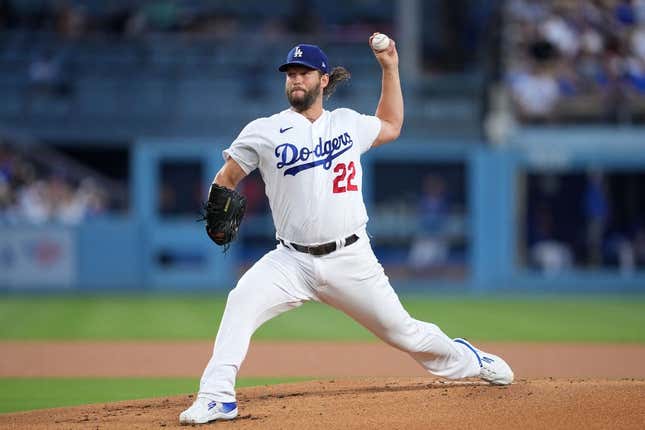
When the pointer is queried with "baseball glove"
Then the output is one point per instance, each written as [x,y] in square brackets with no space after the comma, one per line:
[223,213]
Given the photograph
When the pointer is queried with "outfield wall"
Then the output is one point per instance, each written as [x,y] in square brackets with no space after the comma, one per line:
[145,250]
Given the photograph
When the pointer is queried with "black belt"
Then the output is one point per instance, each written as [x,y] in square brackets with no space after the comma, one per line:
[323,249]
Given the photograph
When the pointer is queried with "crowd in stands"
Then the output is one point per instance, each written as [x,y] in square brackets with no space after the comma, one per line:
[75,18]
[39,194]
[54,36]
[576,60]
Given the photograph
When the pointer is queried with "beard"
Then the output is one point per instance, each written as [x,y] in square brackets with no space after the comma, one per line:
[304,102]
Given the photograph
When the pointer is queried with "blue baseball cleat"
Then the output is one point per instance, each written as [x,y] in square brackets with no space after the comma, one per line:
[205,410]
[492,368]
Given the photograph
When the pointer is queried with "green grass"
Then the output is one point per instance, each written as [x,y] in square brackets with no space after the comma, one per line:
[22,394]
[554,318]
[540,320]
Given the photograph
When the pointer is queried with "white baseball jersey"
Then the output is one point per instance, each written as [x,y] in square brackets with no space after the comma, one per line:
[312,171]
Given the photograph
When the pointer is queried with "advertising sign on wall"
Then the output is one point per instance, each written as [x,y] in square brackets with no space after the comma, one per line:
[37,257]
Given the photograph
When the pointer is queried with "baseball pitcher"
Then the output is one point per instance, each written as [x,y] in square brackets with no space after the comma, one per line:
[310,161]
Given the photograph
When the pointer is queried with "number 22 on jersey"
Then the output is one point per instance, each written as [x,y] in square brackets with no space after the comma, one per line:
[344,180]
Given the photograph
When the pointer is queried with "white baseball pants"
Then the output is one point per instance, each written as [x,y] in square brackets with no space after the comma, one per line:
[350,279]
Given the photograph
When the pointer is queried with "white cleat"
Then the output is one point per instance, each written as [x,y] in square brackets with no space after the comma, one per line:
[205,410]
[492,368]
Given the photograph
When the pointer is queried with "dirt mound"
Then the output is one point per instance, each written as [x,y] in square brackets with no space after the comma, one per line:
[396,403]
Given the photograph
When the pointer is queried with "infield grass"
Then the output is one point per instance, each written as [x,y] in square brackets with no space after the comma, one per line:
[559,318]
[22,394]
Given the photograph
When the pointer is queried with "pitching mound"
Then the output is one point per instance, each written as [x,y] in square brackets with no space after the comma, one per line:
[402,403]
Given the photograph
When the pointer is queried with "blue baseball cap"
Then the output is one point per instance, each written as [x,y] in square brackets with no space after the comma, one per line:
[306,55]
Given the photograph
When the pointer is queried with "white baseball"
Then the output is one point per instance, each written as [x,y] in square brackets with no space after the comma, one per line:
[380,42]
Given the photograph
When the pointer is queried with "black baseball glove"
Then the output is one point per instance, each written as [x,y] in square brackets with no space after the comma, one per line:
[223,213]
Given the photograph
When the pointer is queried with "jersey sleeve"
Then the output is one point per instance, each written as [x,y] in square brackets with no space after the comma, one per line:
[368,129]
[244,149]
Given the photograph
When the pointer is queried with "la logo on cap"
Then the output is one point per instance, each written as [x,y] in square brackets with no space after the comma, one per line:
[297,53]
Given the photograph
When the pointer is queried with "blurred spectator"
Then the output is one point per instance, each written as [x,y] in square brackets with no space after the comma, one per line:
[547,253]
[551,256]
[430,247]
[596,210]
[558,31]
[620,251]
[32,202]
[535,90]
[612,81]
[94,198]
[66,205]
[433,205]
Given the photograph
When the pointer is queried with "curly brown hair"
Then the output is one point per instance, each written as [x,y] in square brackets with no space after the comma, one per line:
[338,75]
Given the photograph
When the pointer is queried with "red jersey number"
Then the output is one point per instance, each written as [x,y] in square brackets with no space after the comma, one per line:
[340,186]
